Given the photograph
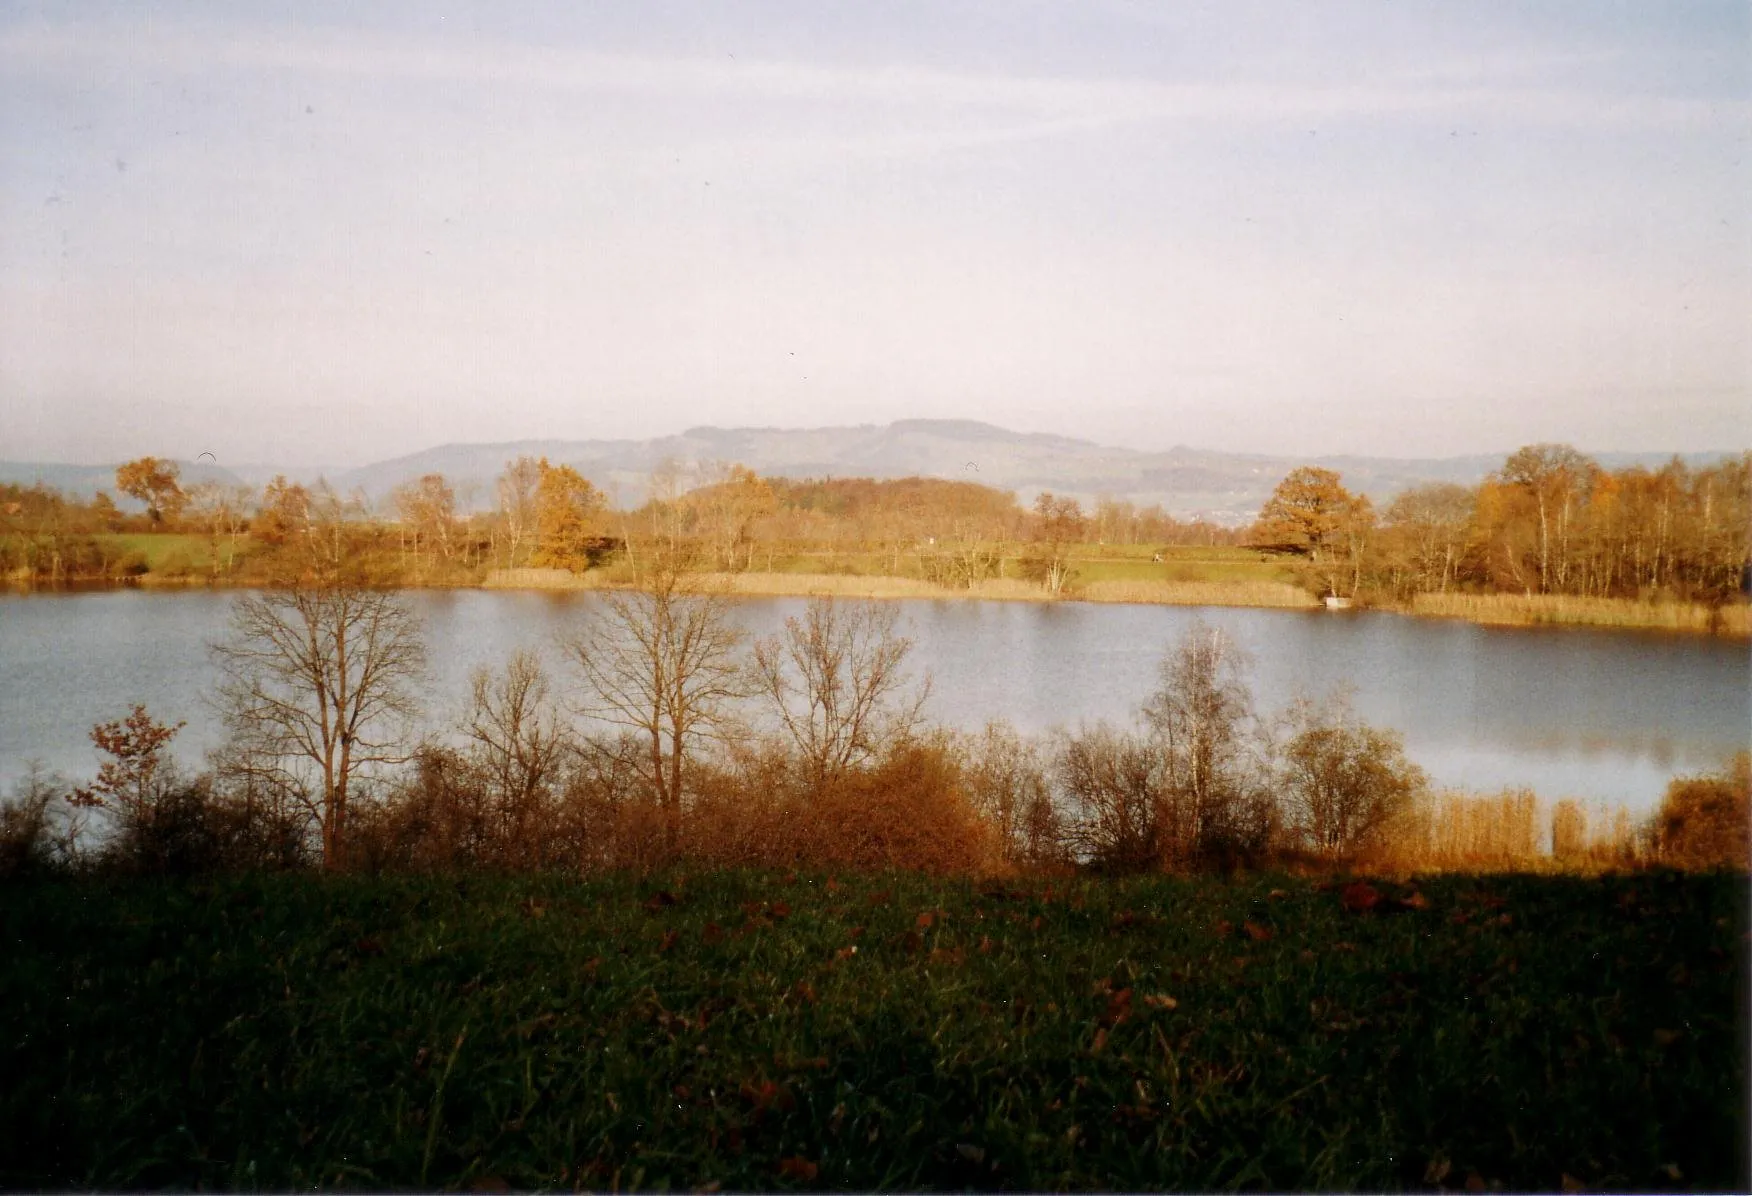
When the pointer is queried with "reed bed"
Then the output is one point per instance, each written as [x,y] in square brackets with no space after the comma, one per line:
[542,579]
[1200,593]
[1528,610]
[1510,831]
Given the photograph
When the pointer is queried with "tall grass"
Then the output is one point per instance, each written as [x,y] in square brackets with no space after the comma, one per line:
[1199,593]
[1527,610]
[541,579]
[1510,831]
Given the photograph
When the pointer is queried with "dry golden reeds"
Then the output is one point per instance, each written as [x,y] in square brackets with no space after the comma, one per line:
[1200,593]
[1528,610]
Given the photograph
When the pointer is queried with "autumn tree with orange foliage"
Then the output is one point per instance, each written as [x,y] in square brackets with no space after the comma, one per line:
[156,483]
[567,508]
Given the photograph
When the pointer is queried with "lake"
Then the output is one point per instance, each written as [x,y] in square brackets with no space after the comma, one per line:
[1605,716]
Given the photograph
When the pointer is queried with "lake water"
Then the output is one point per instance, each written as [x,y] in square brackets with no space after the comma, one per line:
[1605,716]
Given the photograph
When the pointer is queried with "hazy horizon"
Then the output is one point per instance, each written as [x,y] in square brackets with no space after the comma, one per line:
[304,236]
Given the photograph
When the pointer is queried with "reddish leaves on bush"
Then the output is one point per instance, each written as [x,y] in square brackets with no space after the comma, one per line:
[1360,898]
[798,1168]
[768,1095]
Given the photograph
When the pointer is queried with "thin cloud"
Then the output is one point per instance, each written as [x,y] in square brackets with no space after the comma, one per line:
[1441,93]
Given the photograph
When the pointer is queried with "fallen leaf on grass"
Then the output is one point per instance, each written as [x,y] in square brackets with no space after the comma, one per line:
[924,920]
[1100,1041]
[1256,932]
[768,1095]
[1160,1001]
[1118,1007]
[1359,898]
[661,899]
[970,1152]
[1415,901]
[985,944]
[489,1183]
[798,1167]
[1225,928]
[845,952]
[670,938]
[712,935]
[779,910]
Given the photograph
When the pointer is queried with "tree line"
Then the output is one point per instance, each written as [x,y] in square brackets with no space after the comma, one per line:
[1550,521]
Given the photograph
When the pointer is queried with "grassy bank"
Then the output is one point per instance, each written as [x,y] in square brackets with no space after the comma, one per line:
[1184,576]
[757,1031]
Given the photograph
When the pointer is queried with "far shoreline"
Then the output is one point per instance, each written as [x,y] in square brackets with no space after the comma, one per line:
[1729,621]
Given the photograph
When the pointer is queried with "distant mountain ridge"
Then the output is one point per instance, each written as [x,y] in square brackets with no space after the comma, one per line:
[1188,482]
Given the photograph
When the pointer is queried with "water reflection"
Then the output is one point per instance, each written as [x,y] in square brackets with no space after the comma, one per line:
[1603,716]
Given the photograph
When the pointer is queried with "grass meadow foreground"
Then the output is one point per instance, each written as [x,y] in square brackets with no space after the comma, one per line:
[756,1030]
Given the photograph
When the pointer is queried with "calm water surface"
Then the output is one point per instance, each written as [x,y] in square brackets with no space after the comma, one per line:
[1604,716]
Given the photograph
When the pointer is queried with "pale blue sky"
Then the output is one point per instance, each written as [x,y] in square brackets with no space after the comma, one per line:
[292,233]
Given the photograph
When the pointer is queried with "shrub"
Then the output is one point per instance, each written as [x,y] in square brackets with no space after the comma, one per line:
[27,826]
[1702,822]
[1344,781]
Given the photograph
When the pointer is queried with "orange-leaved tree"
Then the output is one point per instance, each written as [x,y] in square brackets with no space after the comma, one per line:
[131,780]
[567,507]
[155,482]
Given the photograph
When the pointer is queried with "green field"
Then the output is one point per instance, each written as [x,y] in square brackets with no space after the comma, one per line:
[171,552]
[758,1031]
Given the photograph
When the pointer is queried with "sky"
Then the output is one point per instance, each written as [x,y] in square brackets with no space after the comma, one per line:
[306,234]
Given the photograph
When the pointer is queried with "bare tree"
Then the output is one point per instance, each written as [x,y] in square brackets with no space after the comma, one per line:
[517,490]
[1113,783]
[661,662]
[518,743]
[1007,780]
[835,681]
[1201,715]
[316,688]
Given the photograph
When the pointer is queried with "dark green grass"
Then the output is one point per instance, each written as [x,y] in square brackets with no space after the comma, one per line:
[441,1033]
